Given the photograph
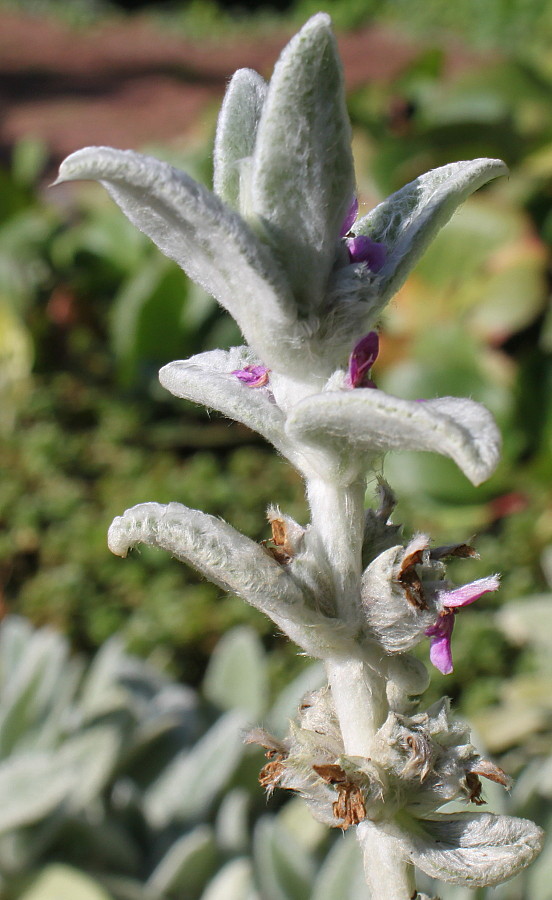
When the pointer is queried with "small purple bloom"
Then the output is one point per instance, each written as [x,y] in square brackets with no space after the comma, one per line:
[361,360]
[350,218]
[441,632]
[364,249]
[361,248]
[252,376]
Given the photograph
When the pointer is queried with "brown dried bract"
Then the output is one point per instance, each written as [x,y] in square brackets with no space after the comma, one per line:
[462,551]
[349,805]
[271,774]
[420,762]
[267,741]
[487,769]
[331,773]
[410,581]
[474,789]
[280,546]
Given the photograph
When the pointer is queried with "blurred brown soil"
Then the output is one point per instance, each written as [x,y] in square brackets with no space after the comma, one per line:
[126,83]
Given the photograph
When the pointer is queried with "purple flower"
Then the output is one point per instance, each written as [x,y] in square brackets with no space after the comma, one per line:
[441,632]
[361,360]
[252,376]
[361,248]
[350,218]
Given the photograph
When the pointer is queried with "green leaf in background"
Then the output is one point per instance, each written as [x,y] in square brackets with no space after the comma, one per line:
[232,822]
[485,272]
[233,882]
[39,666]
[59,882]
[16,357]
[147,319]
[90,758]
[341,876]
[32,786]
[187,864]
[190,783]
[236,677]
[284,871]
[538,879]
[287,702]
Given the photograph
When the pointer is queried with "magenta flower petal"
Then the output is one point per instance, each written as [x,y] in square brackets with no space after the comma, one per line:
[252,376]
[350,218]
[469,593]
[363,249]
[440,652]
[361,360]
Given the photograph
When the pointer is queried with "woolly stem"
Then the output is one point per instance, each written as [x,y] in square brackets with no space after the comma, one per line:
[359,699]
[388,875]
[357,683]
[337,513]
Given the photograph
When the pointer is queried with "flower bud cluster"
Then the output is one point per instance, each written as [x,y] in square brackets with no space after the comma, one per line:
[416,764]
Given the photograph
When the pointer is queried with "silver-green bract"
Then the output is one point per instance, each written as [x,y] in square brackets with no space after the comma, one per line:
[268,246]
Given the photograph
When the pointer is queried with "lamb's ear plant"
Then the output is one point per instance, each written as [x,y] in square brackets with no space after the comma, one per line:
[280,246]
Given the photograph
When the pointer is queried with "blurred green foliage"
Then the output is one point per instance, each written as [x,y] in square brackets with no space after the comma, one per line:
[521,27]
[116,783]
[119,784]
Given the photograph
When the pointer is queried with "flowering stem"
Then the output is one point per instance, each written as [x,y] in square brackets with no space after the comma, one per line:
[358,688]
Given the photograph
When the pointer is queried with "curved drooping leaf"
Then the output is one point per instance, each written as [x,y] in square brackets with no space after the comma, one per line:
[476,850]
[207,379]
[367,421]
[217,550]
[235,563]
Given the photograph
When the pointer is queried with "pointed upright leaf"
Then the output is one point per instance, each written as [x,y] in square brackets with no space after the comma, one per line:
[236,132]
[303,178]
[407,221]
[57,881]
[233,882]
[284,869]
[341,876]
